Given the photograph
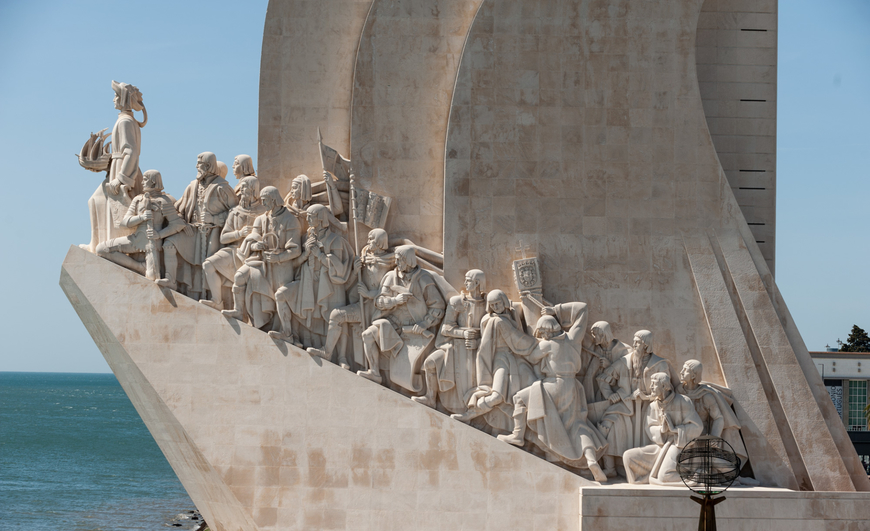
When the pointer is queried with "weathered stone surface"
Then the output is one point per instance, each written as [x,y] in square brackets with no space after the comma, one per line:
[263,436]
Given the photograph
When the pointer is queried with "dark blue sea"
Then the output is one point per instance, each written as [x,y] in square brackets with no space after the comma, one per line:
[74,455]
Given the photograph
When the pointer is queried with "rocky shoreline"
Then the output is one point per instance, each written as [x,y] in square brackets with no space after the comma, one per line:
[189,521]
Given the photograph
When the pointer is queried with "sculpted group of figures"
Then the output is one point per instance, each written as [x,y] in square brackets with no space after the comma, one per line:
[584,400]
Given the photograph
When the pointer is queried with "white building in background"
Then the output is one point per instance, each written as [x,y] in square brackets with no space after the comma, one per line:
[846,376]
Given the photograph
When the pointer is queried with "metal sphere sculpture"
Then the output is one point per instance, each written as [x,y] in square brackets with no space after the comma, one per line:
[708,466]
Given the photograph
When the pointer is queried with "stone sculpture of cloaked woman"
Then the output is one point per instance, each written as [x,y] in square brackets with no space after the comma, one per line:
[112,199]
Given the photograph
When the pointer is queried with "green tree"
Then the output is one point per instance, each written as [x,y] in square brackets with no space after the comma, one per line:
[858,341]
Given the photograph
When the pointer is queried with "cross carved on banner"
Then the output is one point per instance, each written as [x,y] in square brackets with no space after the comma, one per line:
[522,248]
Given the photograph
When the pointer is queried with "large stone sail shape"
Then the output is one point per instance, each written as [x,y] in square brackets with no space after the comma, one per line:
[578,129]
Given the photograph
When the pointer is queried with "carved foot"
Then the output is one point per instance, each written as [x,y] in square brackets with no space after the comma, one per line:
[320,353]
[288,338]
[342,362]
[166,283]
[370,375]
[425,400]
[468,416]
[233,314]
[597,473]
[212,304]
[511,439]
[610,472]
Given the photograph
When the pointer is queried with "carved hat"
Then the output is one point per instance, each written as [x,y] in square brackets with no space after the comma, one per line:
[222,168]
[697,369]
[129,96]
[478,276]
[645,337]
[272,193]
[156,177]
[254,183]
[497,295]
[547,323]
[408,254]
[246,165]
[211,165]
[304,187]
[602,329]
[379,239]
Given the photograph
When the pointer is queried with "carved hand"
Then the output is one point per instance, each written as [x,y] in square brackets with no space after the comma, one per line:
[147,215]
[244,231]
[416,329]
[604,362]
[363,292]
[470,333]
[402,298]
[258,246]
[114,186]
[357,263]
[151,234]
[614,398]
[548,310]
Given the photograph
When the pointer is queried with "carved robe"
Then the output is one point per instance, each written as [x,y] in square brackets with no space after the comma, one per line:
[656,463]
[108,209]
[454,361]
[227,260]
[713,404]
[319,288]
[557,414]
[498,367]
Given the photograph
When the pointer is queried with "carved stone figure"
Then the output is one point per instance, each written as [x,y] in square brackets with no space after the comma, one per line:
[670,422]
[551,413]
[326,265]
[243,166]
[408,305]
[153,217]
[449,371]
[222,169]
[220,268]
[713,404]
[205,205]
[112,198]
[501,367]
[605,350]
[372,265]
[299,196]
[276,237]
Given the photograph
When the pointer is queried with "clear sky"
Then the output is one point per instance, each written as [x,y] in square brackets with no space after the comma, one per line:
[197,65]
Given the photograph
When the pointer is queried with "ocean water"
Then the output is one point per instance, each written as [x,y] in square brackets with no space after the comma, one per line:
[74,455]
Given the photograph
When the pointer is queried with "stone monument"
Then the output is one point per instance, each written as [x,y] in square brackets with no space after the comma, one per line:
[558,161]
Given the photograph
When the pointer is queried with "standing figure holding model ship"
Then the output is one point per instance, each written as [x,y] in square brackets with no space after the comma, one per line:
[112,198]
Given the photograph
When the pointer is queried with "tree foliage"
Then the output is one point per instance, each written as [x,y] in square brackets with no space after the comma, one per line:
[858,341]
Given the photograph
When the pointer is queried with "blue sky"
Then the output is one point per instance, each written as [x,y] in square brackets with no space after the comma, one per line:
[197,65]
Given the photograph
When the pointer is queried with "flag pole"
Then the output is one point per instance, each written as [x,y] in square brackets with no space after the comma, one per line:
[326,179]
[362,303]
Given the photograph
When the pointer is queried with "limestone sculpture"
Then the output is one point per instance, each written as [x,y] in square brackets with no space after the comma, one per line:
[205,205]
[449,371]
[371,266]
[669,422]
[220,268]
[153,218]
[713,404]
[501,368]
[325,266]
[124,178]
[408,306]
[552,412]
